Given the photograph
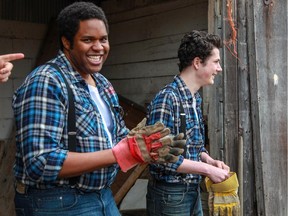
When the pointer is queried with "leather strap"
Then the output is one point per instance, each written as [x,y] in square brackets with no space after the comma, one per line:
[72,142]
[182,128]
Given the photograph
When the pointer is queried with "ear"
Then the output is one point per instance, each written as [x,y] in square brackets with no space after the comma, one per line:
[196,62]
[65,42]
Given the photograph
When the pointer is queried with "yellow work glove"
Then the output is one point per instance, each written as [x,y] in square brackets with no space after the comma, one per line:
[223,198]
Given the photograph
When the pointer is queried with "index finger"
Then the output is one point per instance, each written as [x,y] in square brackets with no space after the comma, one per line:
[11,57]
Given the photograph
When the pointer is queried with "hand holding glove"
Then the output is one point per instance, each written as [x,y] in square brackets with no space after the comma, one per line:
[147,144]
[223,198]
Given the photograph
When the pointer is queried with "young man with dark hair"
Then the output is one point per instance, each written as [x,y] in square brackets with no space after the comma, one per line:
[52,178]
[174,187]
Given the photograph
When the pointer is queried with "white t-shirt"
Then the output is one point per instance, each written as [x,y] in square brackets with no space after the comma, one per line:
[104,111]
[194,107]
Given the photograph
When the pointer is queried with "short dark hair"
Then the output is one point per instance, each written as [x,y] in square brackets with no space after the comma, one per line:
[196,44]
[69,18]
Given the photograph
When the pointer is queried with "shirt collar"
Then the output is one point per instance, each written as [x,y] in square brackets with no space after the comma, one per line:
[185,92]
[66,67]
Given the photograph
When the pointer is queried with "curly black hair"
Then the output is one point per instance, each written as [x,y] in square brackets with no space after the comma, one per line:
[69,18]
[196,44]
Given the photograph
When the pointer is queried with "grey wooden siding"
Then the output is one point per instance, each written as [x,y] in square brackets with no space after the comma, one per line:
[251,134]
[144,40]
[31,10]
[268,68]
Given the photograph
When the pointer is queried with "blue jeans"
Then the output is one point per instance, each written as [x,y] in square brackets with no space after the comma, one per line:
[169,199]
[65,202]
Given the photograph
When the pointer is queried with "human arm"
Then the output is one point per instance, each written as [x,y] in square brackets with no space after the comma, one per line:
[41,112]
[197,167]
[76,164]
[6,66]
[217,163]
[137,147]
[40,108]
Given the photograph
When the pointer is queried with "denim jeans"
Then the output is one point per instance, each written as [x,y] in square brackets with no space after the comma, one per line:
[65,202]
[169,199]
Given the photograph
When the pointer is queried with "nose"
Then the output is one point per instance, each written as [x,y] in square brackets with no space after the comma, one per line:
[97,45]
[219,69]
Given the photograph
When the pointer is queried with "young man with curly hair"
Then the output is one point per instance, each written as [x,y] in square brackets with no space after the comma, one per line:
[174,187]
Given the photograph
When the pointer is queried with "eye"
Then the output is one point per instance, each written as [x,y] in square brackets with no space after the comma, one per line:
[104,40]
[86,40]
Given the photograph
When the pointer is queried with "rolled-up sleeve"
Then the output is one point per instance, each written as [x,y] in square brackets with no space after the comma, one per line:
[40,114]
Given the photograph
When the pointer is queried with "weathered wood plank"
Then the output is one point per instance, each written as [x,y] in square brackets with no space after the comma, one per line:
[149,50]
[161,24]
[142,90]
[268,68]
[230,85]
[246,171]
[213,95]
[141,86]
[142,69]
[117,10]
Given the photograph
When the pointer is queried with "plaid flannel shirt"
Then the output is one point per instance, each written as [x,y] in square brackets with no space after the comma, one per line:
[165,108]
[40,107]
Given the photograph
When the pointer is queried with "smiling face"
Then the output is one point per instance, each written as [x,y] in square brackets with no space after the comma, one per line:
[90,47]
[209,69]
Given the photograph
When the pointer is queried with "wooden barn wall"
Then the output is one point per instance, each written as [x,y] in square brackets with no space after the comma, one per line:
[14,37]
[35,11]
[144,39]
[248,106]
[268,69]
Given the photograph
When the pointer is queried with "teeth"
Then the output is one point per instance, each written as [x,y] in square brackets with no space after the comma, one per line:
[95,58]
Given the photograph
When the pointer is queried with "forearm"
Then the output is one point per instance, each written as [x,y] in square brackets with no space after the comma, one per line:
[195,167]
[217,163]
[78,163]
[206,158]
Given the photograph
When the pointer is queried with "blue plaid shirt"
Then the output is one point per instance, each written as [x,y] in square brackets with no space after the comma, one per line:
[40,107]
[165,108]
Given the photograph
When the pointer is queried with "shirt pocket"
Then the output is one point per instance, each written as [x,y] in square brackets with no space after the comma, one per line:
[88,119]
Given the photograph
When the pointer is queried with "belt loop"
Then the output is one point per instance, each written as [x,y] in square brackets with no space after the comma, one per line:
[21,188]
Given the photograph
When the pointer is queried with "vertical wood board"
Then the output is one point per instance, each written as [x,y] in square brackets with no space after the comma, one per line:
[270,106]
[246,171]
[213,95]
[230,78]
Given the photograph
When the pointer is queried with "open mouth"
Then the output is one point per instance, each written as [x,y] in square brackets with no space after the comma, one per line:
[95,59]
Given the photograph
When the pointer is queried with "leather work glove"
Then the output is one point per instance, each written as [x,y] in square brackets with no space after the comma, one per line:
[223,198]
[170,151]
[147,144]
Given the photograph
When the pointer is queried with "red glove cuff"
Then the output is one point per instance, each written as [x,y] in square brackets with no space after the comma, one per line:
[123,155]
